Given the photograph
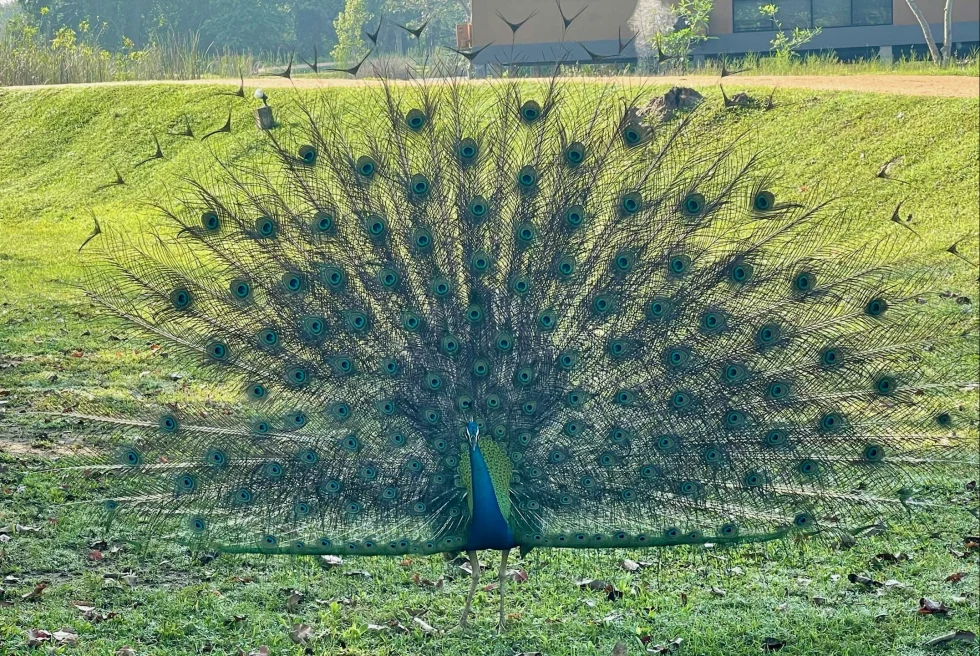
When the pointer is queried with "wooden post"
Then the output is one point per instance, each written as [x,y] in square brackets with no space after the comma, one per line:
[264,119]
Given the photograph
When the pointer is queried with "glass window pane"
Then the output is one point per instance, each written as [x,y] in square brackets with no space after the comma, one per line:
[872,12]
[748,18]
[793,13]
[831,13]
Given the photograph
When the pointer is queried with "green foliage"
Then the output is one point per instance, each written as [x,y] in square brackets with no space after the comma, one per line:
[692,16]
[782,44]
[349,25]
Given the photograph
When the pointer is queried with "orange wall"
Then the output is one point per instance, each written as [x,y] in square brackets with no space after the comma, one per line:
[963,11]
[602,18]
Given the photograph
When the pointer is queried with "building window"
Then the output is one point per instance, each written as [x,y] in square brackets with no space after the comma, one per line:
[811,13]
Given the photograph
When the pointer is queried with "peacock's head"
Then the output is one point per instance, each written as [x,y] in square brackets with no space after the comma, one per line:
[472,432]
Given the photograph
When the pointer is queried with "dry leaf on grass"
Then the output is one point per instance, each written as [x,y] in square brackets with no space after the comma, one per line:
[956,636]
[300,633]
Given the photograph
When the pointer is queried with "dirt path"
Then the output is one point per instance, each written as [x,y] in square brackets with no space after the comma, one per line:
[950,86]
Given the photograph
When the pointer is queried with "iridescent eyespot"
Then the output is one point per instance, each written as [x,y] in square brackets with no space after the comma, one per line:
[693,205]
[679,265]
[632,202]
[804,282]
[210,221]
[527,177]
[886,385]
[876,307]
[763,201]
[467,151]
[365,166]
[575,153]
[322,223]
[530,111]
[266,227]
[181,298]
[740,273]
[415,119]
[307,154]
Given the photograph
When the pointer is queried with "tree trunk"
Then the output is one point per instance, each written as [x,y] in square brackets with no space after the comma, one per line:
[926,31]
[948,31]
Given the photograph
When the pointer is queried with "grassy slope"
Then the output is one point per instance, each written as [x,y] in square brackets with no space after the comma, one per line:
[61,144]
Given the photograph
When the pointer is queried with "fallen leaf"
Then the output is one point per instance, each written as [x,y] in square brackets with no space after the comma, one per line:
[358,572]
[293,601]
[630,566]
[330,561]
[300,633]
[35,594]
[235,619]
[591,584]
[718,592]
[863,580]
[891,557]
[668,648]
[929,607]
[84,606]
[619,649]
[956,636]
[95,554]
[126,651]
[517,575]
[66,636]
[426,583]
[880,617]
[956,577]
[261,651]
[130,579]
[892,583]
[426,628]
[771,644]
[37,636]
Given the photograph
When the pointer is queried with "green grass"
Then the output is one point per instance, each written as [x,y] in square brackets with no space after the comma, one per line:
[59,145]
[828,63]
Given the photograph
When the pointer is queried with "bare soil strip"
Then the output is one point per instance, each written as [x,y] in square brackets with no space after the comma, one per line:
[949,86]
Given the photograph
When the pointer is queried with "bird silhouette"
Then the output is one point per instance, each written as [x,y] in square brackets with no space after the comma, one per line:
[596,58]
[226,128]
[373,36]
[288,73]
[157,155]
[471,54]
[725,72]
[414,31]
[118,182]
[516,26]
[885,171]
[619,39]
[566,21]
[353,69]
[187,132]
[315,66]
[240,93]
[534,322]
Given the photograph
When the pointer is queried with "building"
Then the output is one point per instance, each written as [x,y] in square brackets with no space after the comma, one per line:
[864,27]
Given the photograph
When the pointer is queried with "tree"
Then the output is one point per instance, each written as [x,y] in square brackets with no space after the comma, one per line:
[349,25]
[782,44]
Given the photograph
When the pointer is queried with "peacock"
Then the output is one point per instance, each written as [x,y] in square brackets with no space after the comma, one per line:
[451,317]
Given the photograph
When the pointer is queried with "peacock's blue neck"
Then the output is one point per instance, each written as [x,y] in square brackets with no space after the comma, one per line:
[488,528]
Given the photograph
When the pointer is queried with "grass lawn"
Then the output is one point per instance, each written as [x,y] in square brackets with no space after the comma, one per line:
[57,146]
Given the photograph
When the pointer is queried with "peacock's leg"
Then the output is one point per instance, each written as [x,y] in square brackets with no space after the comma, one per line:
[501,578]
[474,579]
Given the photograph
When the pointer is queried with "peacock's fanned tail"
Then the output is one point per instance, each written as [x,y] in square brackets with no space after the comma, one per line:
[657,349]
